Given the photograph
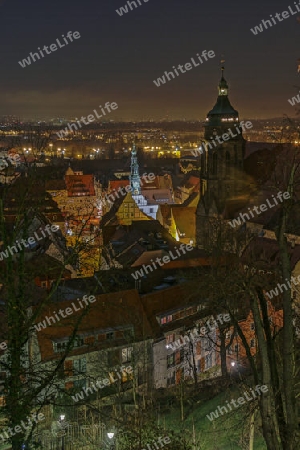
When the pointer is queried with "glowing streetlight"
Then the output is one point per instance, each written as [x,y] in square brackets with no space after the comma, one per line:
[61,420]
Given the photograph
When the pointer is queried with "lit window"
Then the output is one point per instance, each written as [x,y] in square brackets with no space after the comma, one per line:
[127,354]
[170,338]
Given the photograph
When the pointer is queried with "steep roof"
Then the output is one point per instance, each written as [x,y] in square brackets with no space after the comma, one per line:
[78,185]
[116,184]
[185,220]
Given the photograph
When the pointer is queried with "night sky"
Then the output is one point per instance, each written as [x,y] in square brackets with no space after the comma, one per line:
[117,58]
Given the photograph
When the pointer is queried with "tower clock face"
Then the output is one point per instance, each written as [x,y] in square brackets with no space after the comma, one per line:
[136,187]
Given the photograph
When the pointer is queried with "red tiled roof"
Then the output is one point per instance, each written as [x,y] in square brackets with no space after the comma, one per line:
[78,185]
[110,312]
[116,184]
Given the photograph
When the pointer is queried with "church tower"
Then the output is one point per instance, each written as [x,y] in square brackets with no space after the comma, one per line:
[221,161]
[136,190]
[135,181]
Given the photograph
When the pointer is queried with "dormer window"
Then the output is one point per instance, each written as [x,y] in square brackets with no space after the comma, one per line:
[166,319]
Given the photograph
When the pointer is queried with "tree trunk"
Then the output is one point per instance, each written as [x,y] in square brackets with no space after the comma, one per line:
[224,370]
[288,351]
[252,429]
[267,401]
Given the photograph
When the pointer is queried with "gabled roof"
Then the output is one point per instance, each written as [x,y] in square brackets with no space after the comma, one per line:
[265,252]
[157,196]
[78,185]
[131,241]
[185,220]
[146,257]
[114,311]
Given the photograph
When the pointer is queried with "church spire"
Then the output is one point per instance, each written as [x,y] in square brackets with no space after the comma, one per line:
[135,181]
[222,114]
[223,86]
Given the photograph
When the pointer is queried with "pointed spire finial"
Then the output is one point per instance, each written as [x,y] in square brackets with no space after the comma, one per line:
[223,86]
[222,66]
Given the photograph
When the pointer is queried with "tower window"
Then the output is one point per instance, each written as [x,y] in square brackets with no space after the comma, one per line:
[215,164]
[235,154]
[227,162]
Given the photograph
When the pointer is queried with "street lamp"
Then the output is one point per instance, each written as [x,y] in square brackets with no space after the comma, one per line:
[61,421]
[97,152]
[110,436]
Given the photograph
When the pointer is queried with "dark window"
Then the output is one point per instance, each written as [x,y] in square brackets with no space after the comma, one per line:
[113,358]
[171,360]
[227,162]
[235,155]
[60,346]
[181,355]
[79,366]
[171,379]
[79,384]
[215,164]
[78,342]
[208,361]
[110,335]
